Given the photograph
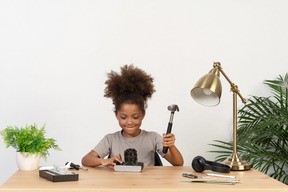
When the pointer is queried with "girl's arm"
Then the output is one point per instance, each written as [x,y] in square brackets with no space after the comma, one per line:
[173,155]
[92,160]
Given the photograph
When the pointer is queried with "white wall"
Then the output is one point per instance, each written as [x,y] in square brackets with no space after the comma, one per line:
[54,56]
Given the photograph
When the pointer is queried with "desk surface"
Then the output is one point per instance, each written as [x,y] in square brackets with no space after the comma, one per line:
[166,178]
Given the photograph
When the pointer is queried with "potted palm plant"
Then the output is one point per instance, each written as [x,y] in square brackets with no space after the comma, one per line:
[263,132]
[30,144]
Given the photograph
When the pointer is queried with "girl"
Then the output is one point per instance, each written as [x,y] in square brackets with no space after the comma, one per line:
[129,92]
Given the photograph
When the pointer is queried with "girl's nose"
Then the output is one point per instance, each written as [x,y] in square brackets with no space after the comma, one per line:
[129,121]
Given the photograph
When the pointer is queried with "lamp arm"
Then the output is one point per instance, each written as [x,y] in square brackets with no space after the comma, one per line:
[234,88]
[234,161]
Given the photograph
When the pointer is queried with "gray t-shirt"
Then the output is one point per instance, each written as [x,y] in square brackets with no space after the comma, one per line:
[146,144]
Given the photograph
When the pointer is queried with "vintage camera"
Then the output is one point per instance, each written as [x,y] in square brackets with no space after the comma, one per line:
[130,163]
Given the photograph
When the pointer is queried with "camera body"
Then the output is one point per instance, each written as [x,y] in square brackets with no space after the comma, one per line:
[130,163]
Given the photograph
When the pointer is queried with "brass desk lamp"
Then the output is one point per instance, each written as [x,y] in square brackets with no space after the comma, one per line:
[207,91]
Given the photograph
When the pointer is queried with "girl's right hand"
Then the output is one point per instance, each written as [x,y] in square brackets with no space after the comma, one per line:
[110,162]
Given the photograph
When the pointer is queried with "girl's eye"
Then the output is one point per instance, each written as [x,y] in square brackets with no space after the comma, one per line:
[135,117]
[123,117]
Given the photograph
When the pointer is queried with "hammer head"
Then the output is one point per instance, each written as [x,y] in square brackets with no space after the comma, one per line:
[173,108]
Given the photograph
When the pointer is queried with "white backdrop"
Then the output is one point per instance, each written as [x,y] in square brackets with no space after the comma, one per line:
[54,57]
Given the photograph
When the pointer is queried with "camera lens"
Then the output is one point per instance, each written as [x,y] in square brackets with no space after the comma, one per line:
[130,156]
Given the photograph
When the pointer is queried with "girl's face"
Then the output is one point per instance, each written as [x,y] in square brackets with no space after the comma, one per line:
[130,118]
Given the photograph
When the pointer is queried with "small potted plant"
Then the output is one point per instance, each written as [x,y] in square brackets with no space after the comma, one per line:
[30,144]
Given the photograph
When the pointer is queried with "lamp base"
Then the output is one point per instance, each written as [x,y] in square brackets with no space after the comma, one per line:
[236,163]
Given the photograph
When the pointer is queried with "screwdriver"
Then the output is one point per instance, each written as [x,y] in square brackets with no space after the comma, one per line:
[74,166]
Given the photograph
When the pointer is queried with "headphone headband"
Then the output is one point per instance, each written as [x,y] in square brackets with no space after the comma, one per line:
[200,164]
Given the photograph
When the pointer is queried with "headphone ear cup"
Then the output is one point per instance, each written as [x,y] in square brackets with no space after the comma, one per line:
[198,164]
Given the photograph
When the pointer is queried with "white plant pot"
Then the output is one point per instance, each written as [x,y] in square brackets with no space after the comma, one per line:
[27,162]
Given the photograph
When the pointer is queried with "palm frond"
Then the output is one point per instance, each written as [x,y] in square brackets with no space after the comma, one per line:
[262,133]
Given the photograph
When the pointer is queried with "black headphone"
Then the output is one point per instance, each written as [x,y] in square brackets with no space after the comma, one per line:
[200,164]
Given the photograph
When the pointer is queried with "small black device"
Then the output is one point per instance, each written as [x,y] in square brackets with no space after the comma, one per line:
[130,156]
[71,165]
[200,164]
[189,175]
[130,163]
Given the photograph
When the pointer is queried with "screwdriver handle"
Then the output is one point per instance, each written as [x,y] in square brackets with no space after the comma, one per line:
[74,166]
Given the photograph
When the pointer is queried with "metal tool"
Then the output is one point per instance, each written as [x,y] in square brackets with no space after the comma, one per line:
[171,108]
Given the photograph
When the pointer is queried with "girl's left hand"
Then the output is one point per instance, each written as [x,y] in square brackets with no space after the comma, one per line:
[168,140]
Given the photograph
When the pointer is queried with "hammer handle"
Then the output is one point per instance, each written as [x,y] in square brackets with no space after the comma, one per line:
[165,149]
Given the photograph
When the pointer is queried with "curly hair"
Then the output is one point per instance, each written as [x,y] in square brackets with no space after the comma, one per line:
[133,86]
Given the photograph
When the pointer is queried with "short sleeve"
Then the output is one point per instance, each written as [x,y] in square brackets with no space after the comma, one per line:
[103,147]
[159,144]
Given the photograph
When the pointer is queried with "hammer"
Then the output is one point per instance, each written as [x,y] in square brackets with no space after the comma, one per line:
[171,108]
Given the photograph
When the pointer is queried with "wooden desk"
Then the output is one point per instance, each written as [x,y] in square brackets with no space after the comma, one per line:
[166,178]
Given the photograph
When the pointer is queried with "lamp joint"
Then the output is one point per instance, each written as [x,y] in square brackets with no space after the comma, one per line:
[217,65]
[234,88]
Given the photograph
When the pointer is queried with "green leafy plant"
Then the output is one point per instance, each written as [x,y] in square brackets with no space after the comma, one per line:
[29,139]
[262,133]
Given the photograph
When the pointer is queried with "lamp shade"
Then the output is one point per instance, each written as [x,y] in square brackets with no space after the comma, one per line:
[207,91]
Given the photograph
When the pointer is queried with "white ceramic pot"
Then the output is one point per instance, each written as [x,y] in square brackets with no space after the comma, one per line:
[27,162]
